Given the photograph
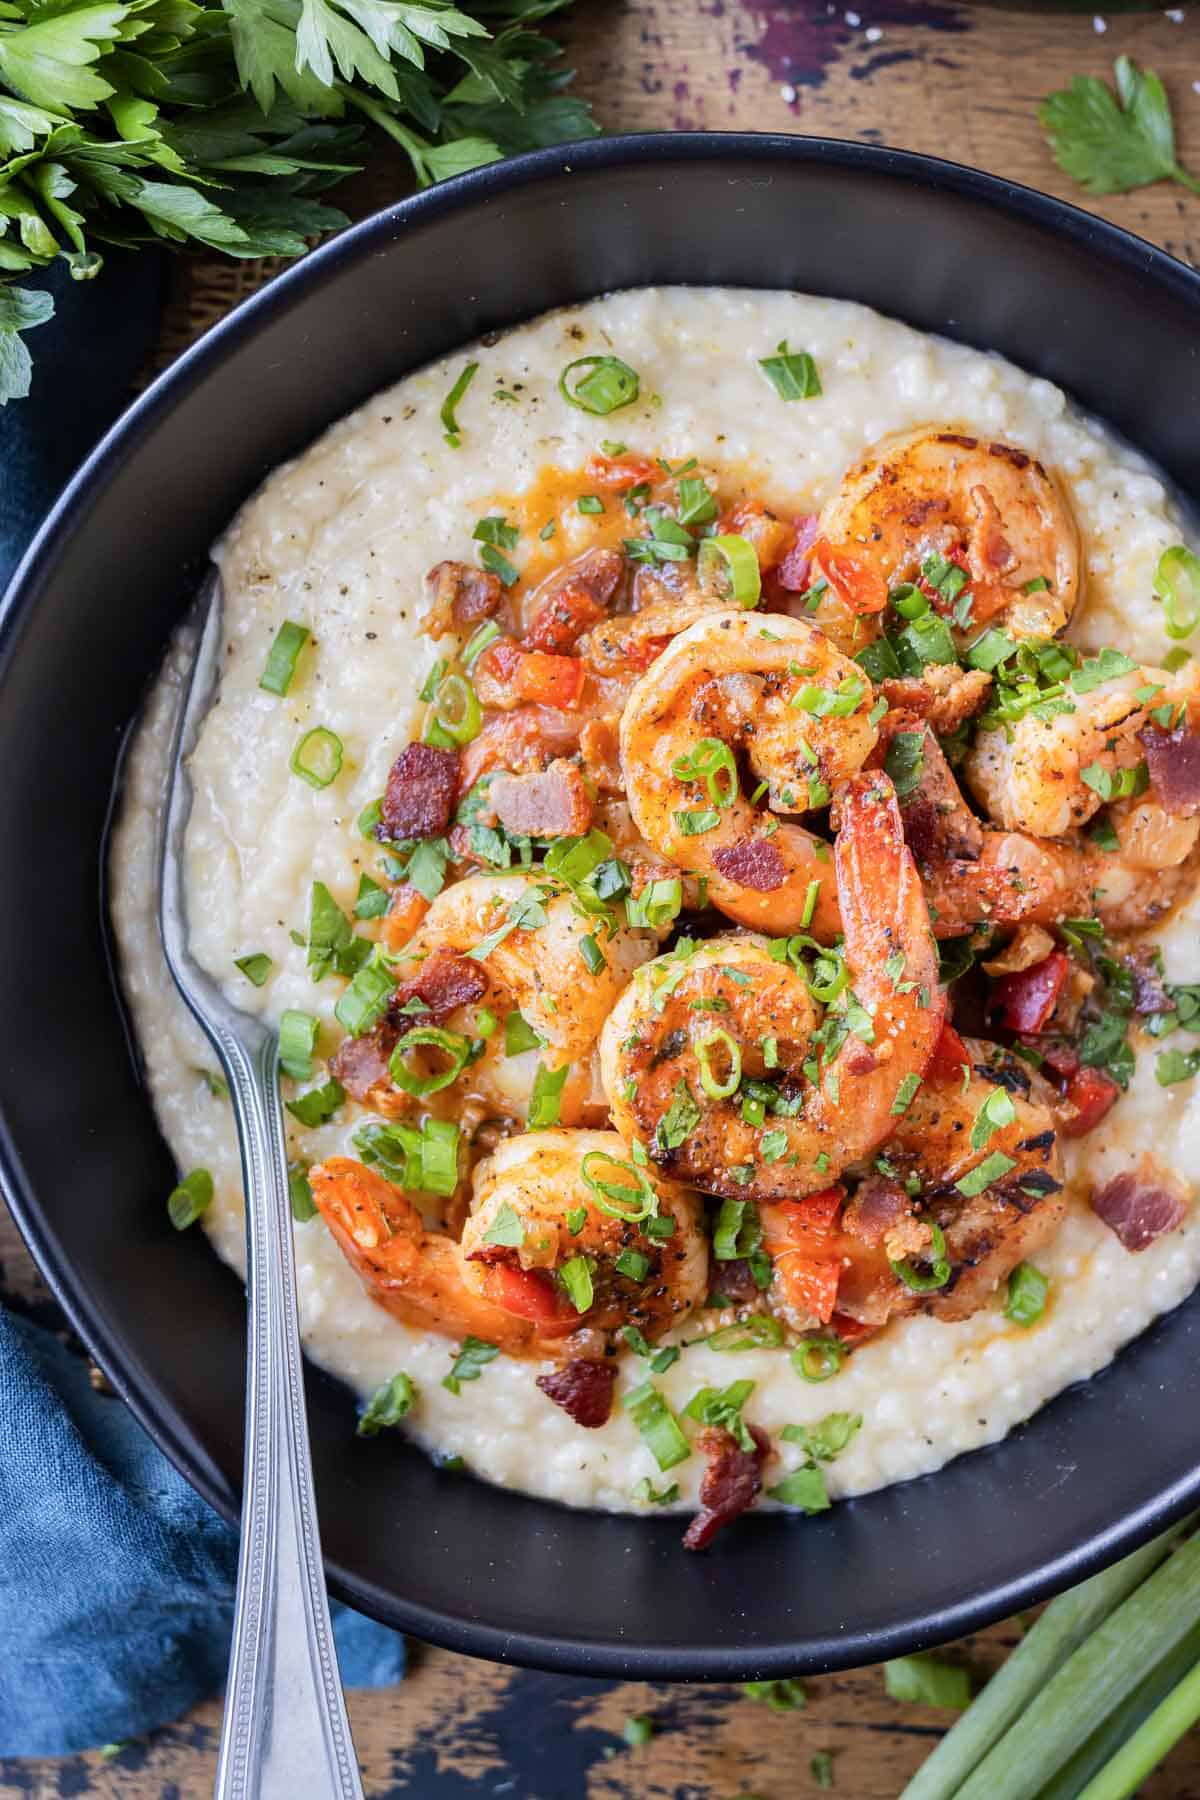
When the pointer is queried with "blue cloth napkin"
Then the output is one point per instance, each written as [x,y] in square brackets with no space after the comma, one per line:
[116,1578]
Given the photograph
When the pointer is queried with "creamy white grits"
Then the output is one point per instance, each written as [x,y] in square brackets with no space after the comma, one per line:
[340,540]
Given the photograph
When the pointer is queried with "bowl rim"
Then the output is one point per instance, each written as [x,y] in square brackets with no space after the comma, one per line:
[1110,244]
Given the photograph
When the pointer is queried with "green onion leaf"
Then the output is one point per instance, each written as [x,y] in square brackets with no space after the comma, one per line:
[452,1045]
[631,1200]
[728,566]
[697,502]
[905,762]
[712,762]
[657,1425]
[786,1695]
[590,504]
[608,385]
[190,1200]
[546,1098]
[520,1036]
[318,1106]
[990,650]
[805,1488]
[300,1194]
[297,1042]
[996,1112]
[759,1332]
[680,1119]
[927,1281]
[637,1731]
[366,999]
[470,1363]
[818,1358]
[456,711]
[495,529]
[991,1169]
[506,1228]
[632,1264]
[1177,585]
[592,955]
[714,1086]
[282,657]
[317,758]
[1025,1301]
[255,967]
[576,1277]
[449,418]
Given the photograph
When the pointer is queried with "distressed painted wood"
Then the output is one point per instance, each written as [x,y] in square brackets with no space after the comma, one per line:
[928,75]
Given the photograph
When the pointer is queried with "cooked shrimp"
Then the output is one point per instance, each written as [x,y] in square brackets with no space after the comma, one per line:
[715,1060]
[553,1199]
[418,1275]
[990,508]
[771,694]
[1032,776]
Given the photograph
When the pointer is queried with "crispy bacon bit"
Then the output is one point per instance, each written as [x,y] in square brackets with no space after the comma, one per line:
[519,742]
[1138,1209]
[584,1390]
[735,1280]
[1026,1001]
[444,982]
[754,863]
[460,596]
[361,1063]
[1090,1094]
[1149,993]
[729,1484]
[1173,760]
[794,572]
[878,1209]
[944,695]
[420,793]
[562,618]
[555,803]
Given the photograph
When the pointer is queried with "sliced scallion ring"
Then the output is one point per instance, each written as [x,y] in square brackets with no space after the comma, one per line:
[712,762]
[925,1281]
[280,665]
[728,566]
[456,709]
[607,386]
[1177,585]
[818,1358]
[759,1332]
[712,1085]
[457,1048]
[317,758]
[631,1201]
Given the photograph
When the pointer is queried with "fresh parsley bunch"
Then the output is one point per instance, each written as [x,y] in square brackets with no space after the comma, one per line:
[221,122]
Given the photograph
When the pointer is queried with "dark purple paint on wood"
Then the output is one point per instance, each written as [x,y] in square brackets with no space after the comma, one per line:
[798,40]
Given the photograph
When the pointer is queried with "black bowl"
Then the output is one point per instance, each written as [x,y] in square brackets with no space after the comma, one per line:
[83,627]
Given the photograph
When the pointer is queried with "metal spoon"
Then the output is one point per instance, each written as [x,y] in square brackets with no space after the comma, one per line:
[285,1731]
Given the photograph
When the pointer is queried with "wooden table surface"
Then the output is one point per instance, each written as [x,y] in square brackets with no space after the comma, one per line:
[928,75]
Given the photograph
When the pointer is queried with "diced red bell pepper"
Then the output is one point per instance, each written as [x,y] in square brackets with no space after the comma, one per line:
[529,1294]
[1089,1096]
[562,618]
[810,1283]
[856,584]
[1026,1001]
[551,680]
[620,471]
[948,1058]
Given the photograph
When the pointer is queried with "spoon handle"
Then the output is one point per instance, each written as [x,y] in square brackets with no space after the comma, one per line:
[285,1731]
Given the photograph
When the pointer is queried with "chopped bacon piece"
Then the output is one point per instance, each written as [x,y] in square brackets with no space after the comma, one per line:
[856,584]
[562,618]
[878,1209]
[519,742]
[361,1063]
[729,1484]
[555,803]
[1173,760]
[619,472]
[1026,1001]
[1138,1209]
[420,793]
[1149,992]
[753,863]
[444,982]
[795,571]
[460,596]
[1090,1094]
[406,909]
[583,1388]
[944,695]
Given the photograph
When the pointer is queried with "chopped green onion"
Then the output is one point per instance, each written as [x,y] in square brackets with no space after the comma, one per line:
[996,1112]
[387,1406]
[506,1228]
[608,385]
[495,529]
[477,643]
[925,641]
[1177,585]
[424,1161]
[632,1264]
[680,1119]
[365,1000]
[657,905]
[520,1036]
[317,758]
[546,1097]
[371,901]
[759,1332]
[657,1425]
[590,503]
[697,502]
[190,1200]
[646,1490]
[818,1358]
[630,1201]
[712,762]
[498,564]
[792,373]
[300,1194]
[804,1487]
[592,955]
[787,1695]
[282,657]
[456,710]
[989,651]
[906,1093]
[712,1085]
[576,1277]
[297,1042]
[695,824]
[470,1363]
[318,1106]
[830,703]
[1039,585]
[637,1731]
[925,1681]
[879,660]
[451,1043]
[1026,1297]
[991,1169]
[927,1281]
[905,762]
[728,566]
[255,967]
[449,405]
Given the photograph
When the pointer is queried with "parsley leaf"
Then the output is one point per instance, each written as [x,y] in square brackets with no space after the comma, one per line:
[1111,143]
